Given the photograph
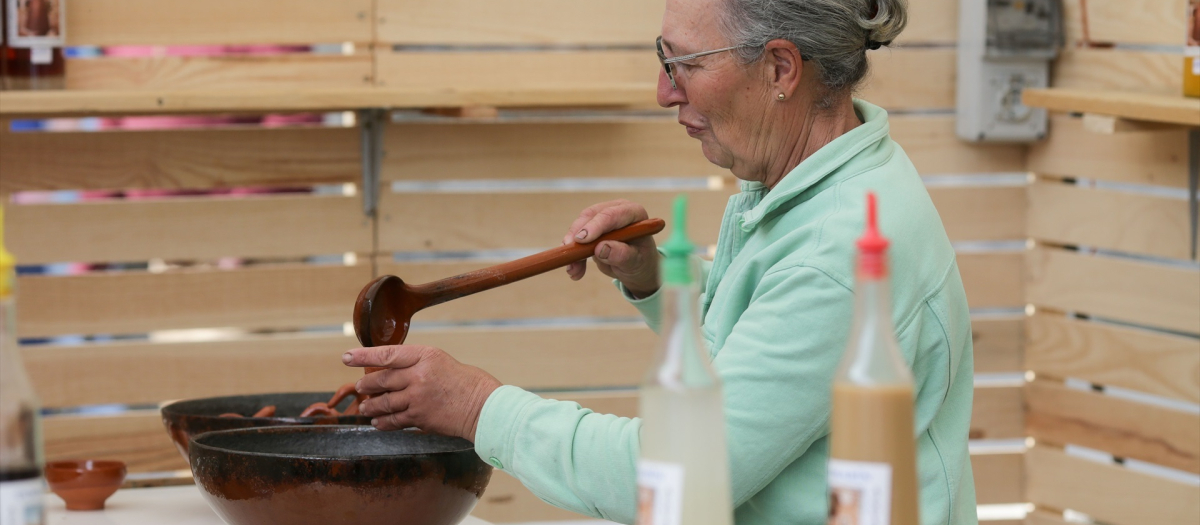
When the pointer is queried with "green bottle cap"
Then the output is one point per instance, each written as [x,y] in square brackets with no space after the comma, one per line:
[677,265]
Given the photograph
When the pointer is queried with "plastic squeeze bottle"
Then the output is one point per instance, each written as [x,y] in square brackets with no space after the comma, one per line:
[683,472]
[872,465]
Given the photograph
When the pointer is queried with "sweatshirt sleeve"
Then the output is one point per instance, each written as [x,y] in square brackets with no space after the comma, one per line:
[651,306]
[777,366]
[566,455]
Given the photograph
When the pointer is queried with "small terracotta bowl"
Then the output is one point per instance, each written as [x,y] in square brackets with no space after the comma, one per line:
[85,484]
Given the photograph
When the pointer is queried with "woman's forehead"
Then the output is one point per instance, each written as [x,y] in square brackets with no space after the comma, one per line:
[690,26]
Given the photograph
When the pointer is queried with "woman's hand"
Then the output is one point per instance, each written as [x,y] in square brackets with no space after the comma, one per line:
[635,263]
[422,387]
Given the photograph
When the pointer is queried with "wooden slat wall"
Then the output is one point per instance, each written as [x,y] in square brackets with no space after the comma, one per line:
[290,296]
[1127,317]
[175,159]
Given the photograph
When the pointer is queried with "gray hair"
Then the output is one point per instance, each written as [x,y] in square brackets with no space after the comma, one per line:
[833,34]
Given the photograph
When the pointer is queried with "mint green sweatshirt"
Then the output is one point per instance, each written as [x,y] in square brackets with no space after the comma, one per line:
[777,303]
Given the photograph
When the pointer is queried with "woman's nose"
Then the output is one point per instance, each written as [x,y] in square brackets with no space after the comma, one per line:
[668,96]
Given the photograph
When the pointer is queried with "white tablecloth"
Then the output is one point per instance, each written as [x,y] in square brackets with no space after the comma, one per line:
[152,506]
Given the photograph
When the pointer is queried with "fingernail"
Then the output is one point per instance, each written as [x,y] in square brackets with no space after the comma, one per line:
[358,385]
[581,235]
[603,251]
[375,422]
[347,357]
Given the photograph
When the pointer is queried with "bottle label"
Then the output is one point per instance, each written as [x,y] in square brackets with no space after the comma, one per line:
[660,493]
[21,502]
[33,23]
[860,493]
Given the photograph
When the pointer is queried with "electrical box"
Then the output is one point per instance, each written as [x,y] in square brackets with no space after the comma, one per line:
[1004,47]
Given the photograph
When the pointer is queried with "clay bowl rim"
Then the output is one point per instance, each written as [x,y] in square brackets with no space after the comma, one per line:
[167,410]
[194,442]
[80,465]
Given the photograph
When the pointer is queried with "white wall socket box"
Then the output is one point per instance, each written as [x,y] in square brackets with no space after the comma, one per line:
[1004,47]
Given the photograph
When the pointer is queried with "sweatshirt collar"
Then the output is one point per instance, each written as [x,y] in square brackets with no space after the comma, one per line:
[819,165]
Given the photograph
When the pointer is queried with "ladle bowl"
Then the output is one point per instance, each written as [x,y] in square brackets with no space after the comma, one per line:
[385,307]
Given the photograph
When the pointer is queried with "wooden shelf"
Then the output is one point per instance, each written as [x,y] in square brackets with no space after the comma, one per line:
[72,102]
[1132,106]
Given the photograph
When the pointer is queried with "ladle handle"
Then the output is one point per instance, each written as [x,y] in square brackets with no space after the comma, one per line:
[450,288]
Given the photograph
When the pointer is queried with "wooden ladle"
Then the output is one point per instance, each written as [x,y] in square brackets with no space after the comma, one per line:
[385,307]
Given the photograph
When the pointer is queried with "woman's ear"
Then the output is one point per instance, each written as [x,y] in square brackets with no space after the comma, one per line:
[785,67]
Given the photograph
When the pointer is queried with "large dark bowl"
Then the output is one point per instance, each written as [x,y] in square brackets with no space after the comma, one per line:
[187,419]
[331,475]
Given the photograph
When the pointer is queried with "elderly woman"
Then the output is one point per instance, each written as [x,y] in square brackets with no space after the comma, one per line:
[765,85]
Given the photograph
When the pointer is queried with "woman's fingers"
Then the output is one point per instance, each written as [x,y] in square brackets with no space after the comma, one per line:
[386,404]
[618,255]
[388,380]
[576,270]
[617,214]
[398,356]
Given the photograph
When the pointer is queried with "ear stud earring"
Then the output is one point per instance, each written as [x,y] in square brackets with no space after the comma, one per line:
[781,96]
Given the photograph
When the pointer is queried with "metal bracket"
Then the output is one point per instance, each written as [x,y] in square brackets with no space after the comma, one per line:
[1194,185]
[371,123]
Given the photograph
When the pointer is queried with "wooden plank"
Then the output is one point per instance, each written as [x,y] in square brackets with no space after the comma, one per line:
[220,22]
[1123,428]
[998,343]
[545,358]
[1045,517]
[1098,218]
[1108,124]
[651,148]
[188,228]
[137,438]
[1137,21]
[933,147]
[1119,70]
[192,159]
[624,22]
[138,302]
[264,99]
[997,413]
[220,72]
[1152,362]
[890,85]
[1108,493]
[1165,107]
[643,148]
[414,221]
[1150,294]
[479,22]
[981,213]
[102,373]
[993,280]
[417,222]
[1148,157]
[999,478]
[515,69]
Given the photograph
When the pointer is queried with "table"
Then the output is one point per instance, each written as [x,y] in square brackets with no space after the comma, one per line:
[150,506]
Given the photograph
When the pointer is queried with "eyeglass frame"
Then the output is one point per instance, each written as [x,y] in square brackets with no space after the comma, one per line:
[667,62]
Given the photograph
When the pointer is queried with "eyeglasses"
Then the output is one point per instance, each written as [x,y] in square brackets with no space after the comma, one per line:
[667,63]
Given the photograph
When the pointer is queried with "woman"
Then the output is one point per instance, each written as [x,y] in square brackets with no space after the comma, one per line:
[767,91]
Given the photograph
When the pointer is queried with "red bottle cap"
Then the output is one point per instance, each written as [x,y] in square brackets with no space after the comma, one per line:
[872,245]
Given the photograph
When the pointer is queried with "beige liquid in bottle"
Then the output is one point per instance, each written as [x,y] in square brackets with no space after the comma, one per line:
[870,424]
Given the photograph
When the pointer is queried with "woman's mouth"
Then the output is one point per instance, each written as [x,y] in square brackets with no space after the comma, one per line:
[692,132]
